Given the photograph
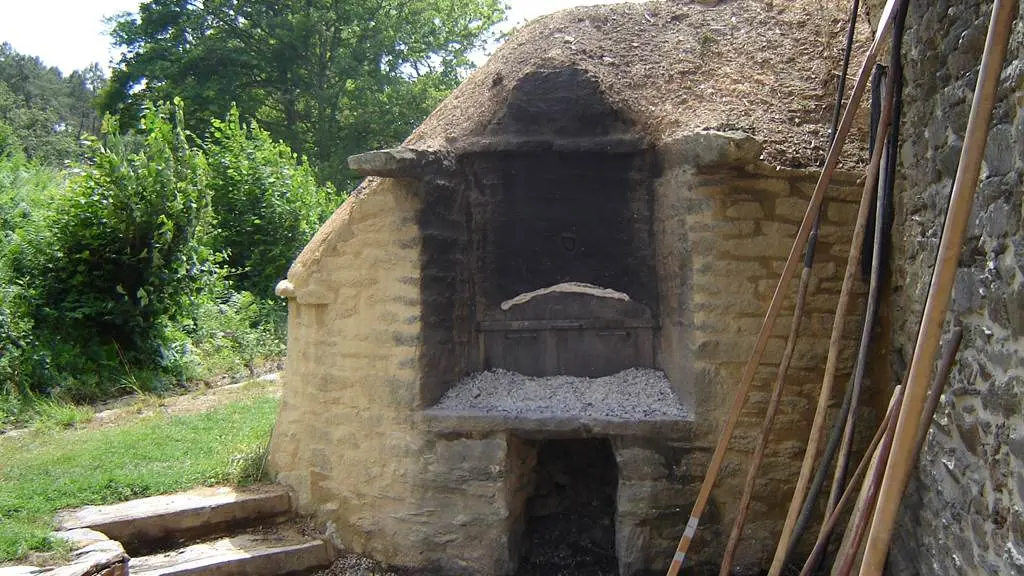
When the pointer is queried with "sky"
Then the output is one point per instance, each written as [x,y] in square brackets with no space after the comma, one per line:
[71,34]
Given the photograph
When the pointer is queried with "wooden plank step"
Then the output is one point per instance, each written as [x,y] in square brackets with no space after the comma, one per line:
[260,553]
[185,515]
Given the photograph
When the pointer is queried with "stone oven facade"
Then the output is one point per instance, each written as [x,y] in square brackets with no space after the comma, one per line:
[524,331]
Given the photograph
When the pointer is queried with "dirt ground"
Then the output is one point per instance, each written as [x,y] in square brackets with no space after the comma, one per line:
[199,398]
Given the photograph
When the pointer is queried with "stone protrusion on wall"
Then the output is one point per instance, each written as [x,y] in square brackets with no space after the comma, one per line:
[711,149]
[402,162]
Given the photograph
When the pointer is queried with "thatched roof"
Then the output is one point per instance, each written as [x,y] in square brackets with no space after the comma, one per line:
[766,68]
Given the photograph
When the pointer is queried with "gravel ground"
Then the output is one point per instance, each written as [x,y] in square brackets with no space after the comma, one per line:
[633,394]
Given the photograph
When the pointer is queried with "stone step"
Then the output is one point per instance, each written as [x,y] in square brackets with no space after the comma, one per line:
[177,517]
[272,552]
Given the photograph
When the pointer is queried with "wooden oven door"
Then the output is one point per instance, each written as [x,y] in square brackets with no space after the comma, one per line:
[571,335]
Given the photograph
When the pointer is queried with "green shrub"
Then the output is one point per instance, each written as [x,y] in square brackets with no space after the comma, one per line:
[114,277]
[229,333]
[27,190]
[266,200]
[122,258]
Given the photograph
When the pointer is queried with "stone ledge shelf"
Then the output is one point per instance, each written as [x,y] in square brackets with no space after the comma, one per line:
[440,421]
[634,402]
[401,163]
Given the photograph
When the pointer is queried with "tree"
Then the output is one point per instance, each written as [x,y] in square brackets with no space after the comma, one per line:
[329,77]
[47,112]
[267,203]
[122,258]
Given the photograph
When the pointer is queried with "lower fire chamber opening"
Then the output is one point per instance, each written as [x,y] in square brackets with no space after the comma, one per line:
[570,515]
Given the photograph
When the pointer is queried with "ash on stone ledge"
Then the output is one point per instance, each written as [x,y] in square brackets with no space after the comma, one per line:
[636,394]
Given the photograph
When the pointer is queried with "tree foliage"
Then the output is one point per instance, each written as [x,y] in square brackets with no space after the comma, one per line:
[47,112]
[267,202]
[329,77]
[117,272]
[121,258]
[26,190]
[149,255]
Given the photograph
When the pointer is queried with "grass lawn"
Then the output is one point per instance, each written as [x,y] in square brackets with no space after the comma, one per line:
[47,470]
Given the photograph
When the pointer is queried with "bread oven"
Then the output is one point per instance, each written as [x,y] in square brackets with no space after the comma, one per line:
[511,349]
[555,262]
[544,324]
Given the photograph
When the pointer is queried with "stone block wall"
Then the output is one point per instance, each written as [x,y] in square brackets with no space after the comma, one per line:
[724,233]
[964,510]
[344,440]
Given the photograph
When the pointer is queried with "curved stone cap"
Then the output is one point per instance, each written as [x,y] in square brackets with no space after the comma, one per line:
[674,68]
[374,202]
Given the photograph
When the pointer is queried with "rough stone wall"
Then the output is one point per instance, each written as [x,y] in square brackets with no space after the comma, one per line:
[723,237]
[964,510]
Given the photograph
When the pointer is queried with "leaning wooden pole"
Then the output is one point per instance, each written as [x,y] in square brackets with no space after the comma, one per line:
[798,312]
[851,551]
[846,561]
[883,199]
[767,423]
[850,492]
[938,385]
[832,362]
[831,161]
[860,367]
[897,471]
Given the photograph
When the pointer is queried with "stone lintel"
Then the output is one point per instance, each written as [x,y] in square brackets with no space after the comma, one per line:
[711,149]
[622,144]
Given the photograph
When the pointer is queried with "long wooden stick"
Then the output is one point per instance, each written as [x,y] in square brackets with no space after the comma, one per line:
[945,367]
[832,363]
[798,310]
[897,471]
[831,161]
[839,424]
[852,551]
[819,546]
[882,200]
[766,425]
[860,506]
[873,484]
[870,312]
[874,476]
[831,447]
